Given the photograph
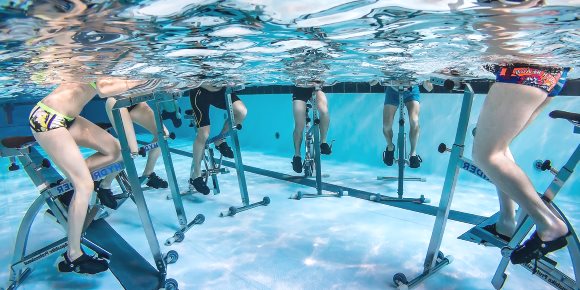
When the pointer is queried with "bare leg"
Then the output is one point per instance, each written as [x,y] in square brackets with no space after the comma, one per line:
[64,152]
[240,113]
[413,108]
[388,116]
[299,110]
[505,113]
[127,123]
[322,104]
[129,132]
[61,145]
[89,135]
[506,224]
[198,150]
[144,116]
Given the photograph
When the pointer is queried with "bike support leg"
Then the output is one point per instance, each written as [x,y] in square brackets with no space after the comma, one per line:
[168,162]
[401,161]
[434,260]
[315,130]
[401,143]
[138,196]
[239,163]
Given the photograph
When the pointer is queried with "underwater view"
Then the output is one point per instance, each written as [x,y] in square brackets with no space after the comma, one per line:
[264,42]
[260,144]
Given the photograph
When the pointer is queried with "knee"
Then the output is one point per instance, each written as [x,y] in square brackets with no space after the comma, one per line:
[299,127]
[202,135]
[115,151]
[84,188]
[241,113]
[387,126]
[323,110]
[485,158]
[154,133]
[414,123]
[109,103]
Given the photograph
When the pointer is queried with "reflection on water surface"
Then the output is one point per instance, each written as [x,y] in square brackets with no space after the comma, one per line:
[271,42]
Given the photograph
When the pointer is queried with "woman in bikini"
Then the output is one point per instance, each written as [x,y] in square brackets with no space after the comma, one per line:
[60,130]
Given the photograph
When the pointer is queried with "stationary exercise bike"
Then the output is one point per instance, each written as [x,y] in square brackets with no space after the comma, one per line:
[312,139]
[311,163]
[402,159]
[167,94]
[213,166]
[130,268]
[545,268]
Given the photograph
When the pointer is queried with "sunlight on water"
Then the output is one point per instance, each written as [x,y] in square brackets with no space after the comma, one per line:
[46,42]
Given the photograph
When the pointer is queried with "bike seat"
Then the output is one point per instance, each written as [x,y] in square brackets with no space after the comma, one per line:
[17,142]
[572,117]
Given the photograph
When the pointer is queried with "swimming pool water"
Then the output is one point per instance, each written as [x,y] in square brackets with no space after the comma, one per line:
[329,243]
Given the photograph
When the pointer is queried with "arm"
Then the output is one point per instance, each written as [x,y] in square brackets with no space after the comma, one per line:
[109,87]
[525,4]
[507,8]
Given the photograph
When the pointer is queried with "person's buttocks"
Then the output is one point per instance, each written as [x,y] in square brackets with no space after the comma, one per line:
[202,97]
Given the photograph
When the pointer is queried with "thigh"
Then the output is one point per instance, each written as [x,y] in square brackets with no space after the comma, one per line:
[413,108]
[144,116]
[125,116]
[389,114]
[239,107]
[412,95]
[218,99]
[127,123]
[299,112]
[89,135]
[537,112]
[321,100]
[63,151]
[506,111]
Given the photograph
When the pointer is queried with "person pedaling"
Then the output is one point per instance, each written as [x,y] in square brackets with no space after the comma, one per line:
[551,80]
[58,128]
[411,99]
[43,119]
[201,99]
[300,97]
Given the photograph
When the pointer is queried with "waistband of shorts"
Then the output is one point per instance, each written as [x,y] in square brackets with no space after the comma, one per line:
[548,69]
[53,111]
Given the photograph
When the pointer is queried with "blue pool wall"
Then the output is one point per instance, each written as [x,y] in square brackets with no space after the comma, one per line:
[356,125]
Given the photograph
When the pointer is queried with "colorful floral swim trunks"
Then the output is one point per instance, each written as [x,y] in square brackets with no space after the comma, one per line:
[549,79]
